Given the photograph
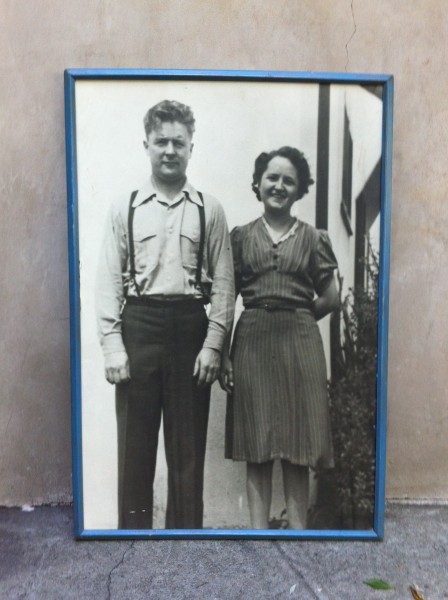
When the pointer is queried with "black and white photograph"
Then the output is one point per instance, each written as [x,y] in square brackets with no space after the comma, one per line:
[227,249]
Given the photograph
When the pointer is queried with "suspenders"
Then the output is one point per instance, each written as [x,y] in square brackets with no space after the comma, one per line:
[132,271]
[198,282]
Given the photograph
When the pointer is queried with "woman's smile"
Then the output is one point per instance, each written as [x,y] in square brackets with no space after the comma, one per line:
[279,185]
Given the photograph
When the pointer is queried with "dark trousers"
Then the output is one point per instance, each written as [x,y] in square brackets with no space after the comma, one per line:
[162,342]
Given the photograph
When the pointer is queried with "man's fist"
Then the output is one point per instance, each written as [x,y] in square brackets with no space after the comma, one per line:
[116,366]
[206,367]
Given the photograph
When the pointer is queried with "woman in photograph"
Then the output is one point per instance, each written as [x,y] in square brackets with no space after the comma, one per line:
[276,376]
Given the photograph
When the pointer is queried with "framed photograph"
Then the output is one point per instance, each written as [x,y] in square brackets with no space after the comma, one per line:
[229,243]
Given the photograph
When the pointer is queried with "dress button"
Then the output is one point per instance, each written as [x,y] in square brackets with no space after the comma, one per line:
[275,256]
[275,267]
[275,245]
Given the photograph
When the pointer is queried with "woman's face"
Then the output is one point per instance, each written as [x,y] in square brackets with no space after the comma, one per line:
[279,186]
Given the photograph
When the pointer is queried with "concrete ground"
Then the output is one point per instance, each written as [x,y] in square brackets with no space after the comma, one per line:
[39,559]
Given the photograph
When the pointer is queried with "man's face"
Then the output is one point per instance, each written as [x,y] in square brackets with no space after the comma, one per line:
[169,148]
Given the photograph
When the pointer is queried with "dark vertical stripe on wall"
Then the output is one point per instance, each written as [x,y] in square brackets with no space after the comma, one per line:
[368,206]
[323,143]
[360,242]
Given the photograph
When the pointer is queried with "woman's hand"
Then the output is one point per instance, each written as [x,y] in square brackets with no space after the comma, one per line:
[327,302]
[226,374]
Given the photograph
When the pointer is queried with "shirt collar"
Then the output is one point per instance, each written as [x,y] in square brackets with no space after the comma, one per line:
[274,236]
[148,192]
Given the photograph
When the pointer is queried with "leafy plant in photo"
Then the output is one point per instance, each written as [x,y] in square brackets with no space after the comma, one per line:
[346,493]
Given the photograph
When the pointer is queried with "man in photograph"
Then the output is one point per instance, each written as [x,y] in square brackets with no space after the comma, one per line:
[166,254]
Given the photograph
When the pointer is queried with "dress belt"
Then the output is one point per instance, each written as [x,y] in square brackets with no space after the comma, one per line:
[274,305]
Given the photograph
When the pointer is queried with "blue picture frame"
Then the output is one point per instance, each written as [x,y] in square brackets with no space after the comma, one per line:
[383,86]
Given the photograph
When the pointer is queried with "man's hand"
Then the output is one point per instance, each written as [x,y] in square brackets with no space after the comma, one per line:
[116,366]
[206,366]
[226,374]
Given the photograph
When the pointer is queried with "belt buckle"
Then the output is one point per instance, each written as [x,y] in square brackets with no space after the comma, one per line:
[269,307]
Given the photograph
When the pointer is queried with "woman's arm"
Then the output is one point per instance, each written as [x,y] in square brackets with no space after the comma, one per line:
[327,302]
[226,374]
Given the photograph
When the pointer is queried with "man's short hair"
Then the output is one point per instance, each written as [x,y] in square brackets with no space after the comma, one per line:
[169,111]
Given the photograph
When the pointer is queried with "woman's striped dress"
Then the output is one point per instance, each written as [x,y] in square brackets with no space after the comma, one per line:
[279,408]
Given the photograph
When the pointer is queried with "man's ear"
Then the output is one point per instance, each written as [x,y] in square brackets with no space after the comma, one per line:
[191,148]
[145,144]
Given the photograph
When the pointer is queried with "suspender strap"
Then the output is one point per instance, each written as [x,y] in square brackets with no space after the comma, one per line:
[201,245]
[132,273]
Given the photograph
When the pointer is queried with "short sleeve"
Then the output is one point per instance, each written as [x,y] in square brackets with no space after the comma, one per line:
[322,263]
[236,239]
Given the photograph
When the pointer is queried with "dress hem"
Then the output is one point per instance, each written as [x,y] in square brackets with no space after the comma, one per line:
[321,463]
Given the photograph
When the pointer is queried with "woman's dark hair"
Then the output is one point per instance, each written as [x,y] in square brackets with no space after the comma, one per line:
[296,158]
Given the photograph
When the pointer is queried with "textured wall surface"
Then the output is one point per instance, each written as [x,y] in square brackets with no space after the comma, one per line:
[40,39]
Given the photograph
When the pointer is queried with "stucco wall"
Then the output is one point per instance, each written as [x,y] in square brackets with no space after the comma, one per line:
[41,38]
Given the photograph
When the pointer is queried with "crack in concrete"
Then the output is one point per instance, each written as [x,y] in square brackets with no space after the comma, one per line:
[36,576]
[115,567]
[352,35]
[202,584]
[296,570]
